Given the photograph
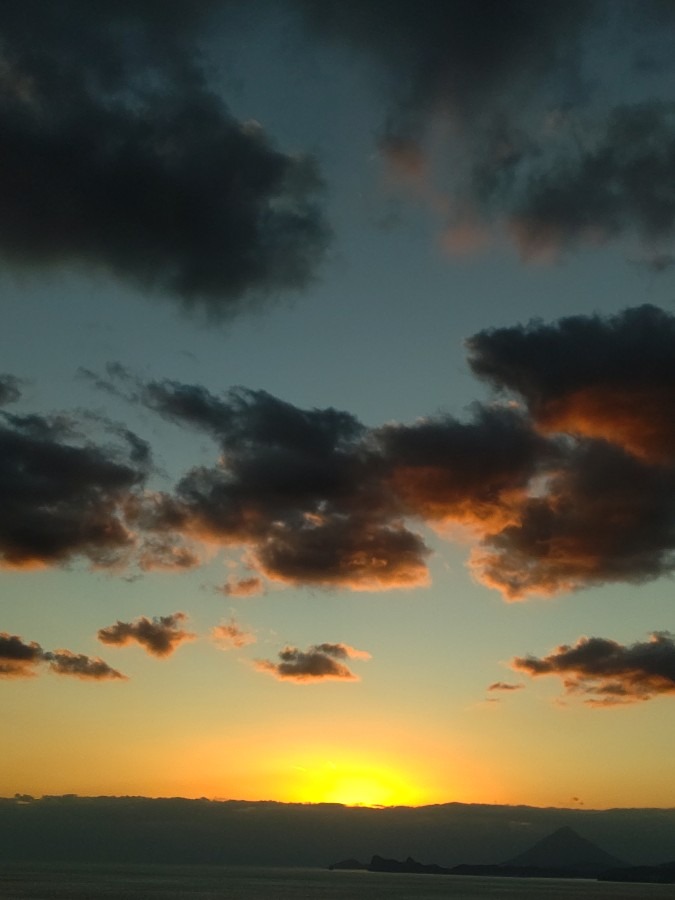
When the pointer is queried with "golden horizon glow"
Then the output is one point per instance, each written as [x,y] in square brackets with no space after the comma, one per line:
[354,784]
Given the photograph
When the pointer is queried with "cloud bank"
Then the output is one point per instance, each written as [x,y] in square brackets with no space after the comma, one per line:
[565,480]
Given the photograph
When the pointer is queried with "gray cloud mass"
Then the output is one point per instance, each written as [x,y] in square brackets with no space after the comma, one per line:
[606,673]
[117,155]
[64,496]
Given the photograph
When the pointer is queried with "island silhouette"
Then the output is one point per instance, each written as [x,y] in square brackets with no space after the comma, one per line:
[562,854]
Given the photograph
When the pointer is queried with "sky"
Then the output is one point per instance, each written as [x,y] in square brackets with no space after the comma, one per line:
[336,434]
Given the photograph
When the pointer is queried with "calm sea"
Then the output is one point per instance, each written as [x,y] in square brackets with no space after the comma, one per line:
[89,882]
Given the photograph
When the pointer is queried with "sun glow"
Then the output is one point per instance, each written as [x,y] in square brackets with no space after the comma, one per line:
[354,784]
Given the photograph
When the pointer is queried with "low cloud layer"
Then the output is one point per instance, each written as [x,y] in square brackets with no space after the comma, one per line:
[321,662]
[606,673]
[118,156]
[565,481]
[159,636]
[20,659]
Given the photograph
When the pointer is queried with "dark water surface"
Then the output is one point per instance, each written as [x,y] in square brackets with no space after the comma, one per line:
[92,882]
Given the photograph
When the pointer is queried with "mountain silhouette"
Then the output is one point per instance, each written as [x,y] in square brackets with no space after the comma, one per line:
[565,849]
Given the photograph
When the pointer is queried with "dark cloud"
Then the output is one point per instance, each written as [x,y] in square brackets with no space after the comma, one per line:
[64,662]
[322,662]
[230,634]
[116,155]
[571,484]
[536,135]
[160,636]
[607,673]
[459,57]
[19,659]
[619,183]
[322,500]
[64,496]
[301,488]
[471,473]
[602,377]
[603,507]
[603,516]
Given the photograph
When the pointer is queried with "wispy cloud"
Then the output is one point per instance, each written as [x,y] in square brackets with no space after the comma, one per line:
[230,634]
[242,587]
[505,686]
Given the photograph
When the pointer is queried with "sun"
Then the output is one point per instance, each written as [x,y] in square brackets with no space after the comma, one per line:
[354,784]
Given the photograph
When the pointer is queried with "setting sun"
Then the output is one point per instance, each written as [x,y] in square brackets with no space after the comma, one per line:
[354,784]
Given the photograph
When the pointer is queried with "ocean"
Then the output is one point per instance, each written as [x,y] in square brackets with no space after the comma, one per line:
[95,882]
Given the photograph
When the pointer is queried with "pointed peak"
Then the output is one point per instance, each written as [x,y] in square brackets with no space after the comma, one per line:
[565,848]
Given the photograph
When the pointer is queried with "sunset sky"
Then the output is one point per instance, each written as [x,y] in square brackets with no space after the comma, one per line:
[337,445]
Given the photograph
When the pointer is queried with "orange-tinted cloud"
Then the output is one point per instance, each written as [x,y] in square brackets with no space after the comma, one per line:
[88,668]
[606,673]
[633,417]
[472,473]
[301,489]
[321,662]
[347,553]
[602,507]
[569,484]
[160,636]
[19,659]
[603,517]
[601,377]
[230,634]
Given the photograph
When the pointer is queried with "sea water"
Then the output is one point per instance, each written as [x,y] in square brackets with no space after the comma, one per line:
[95,882]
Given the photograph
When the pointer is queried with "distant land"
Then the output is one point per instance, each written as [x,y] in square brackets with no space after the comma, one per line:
[240,832]
[562,854]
